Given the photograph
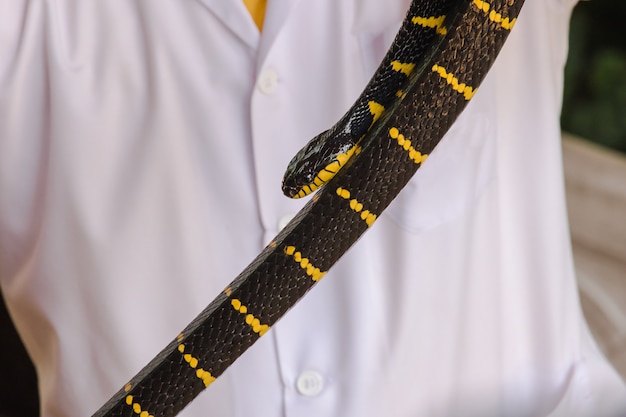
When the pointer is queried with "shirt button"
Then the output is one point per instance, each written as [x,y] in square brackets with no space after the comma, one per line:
[283,221]
[268,81]
[310,383]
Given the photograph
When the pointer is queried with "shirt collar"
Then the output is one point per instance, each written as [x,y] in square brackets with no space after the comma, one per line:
[235,16]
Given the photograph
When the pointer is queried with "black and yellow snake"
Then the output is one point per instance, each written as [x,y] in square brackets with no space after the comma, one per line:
[440,56]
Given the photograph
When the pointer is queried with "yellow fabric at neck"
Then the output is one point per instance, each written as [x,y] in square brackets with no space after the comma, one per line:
[257,11]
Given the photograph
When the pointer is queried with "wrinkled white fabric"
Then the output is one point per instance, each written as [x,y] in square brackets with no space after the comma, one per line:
[142,145]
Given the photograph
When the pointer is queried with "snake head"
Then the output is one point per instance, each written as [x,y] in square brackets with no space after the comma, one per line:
[303,168]
[317,163]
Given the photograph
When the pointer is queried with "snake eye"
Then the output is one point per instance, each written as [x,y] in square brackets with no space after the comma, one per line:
[309,177]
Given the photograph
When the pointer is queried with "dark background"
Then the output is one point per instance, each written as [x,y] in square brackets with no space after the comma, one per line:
[594,107]
[18,383]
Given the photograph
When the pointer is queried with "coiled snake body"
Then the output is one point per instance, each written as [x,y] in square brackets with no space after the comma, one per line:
[440,56]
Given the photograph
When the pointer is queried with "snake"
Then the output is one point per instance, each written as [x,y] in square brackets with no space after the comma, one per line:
[441,54]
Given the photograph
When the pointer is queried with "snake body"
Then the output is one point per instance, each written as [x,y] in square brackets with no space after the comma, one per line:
[446,71]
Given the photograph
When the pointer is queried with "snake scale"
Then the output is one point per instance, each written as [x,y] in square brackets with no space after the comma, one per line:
[441,54]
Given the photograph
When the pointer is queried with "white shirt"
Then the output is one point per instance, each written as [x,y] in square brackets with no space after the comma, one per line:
[142,145]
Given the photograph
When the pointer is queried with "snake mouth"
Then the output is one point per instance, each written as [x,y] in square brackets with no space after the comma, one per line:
[290,190]
[293,188]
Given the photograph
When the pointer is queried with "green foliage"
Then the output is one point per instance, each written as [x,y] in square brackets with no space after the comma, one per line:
[594,101]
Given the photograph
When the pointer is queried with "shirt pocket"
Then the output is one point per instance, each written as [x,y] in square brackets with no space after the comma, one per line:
[453,177]
[461,166]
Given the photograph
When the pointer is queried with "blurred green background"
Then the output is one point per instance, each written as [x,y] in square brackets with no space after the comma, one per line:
[594,105]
